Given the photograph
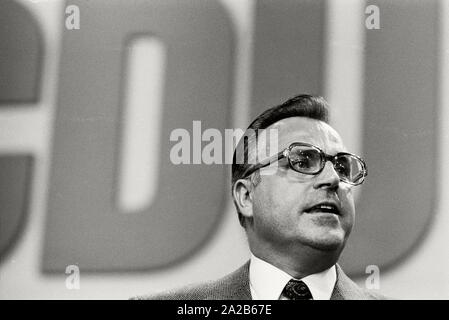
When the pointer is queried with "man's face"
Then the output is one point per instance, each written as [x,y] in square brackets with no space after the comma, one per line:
[283,198]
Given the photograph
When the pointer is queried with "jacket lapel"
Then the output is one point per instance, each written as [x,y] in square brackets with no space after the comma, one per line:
[345,288]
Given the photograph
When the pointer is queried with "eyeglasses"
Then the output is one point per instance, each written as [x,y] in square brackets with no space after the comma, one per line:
[309,159]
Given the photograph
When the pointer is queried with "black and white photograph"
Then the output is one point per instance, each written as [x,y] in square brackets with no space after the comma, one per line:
[224,150]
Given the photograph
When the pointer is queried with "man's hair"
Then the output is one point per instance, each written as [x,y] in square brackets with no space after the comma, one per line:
[303,105]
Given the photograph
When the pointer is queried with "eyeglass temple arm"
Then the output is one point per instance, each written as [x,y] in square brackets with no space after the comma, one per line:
[263,163]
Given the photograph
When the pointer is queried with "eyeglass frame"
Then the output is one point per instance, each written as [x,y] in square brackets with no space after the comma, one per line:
[323,155]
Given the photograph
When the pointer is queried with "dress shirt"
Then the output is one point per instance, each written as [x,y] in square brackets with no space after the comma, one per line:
[267,281]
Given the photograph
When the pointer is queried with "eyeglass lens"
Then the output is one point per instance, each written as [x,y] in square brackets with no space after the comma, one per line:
[309,160]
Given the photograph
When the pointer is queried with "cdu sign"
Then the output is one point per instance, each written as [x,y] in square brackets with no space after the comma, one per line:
[84,223]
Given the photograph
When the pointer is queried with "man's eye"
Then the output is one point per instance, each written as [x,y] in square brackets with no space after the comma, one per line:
[305,160]
[303,163]
[342,169]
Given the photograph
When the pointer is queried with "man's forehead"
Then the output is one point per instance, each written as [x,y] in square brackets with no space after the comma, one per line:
[302,129]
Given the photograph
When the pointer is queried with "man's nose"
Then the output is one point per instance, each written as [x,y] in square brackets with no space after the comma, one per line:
[328,178]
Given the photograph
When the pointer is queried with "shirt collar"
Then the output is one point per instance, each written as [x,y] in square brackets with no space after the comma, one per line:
[267,281]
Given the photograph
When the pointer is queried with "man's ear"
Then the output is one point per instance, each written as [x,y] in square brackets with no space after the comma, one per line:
[243,197]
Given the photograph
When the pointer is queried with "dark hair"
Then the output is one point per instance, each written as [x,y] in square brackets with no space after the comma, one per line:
[303,105]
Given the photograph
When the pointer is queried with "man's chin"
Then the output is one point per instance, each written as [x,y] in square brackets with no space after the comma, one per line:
[327,243]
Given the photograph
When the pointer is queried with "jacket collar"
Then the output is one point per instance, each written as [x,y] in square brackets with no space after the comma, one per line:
[237,284]
[345,288]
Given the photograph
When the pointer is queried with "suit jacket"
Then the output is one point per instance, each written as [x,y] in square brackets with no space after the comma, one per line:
[235,286]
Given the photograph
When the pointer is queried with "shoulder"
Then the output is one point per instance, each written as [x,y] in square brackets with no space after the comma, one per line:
[211,290]
[230,287]
[201,291]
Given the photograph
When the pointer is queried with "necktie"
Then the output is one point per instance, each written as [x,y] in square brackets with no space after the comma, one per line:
[297,290]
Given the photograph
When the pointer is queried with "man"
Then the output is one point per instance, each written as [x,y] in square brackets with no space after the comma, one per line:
[296,206]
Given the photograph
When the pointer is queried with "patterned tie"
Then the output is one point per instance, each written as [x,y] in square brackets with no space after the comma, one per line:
[297,290]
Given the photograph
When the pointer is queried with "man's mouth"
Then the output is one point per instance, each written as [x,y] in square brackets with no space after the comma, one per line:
[327,207]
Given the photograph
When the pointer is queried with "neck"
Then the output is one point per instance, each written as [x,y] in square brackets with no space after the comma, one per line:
[298,261]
